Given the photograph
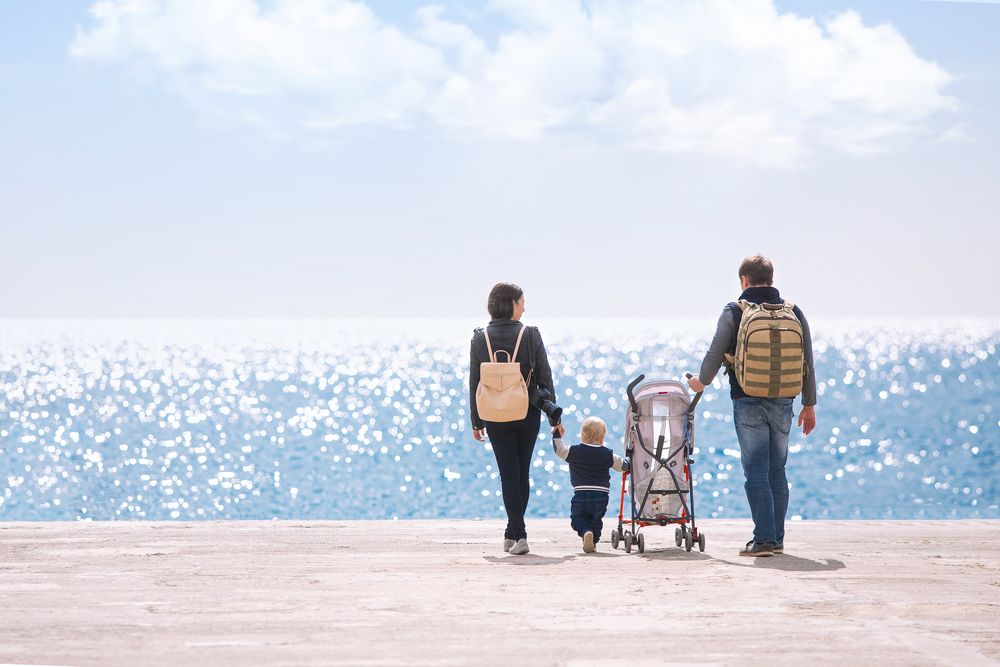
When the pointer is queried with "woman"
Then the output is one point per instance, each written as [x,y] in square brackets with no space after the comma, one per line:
[513,442]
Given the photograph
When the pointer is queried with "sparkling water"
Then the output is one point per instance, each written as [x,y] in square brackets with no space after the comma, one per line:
[338,419]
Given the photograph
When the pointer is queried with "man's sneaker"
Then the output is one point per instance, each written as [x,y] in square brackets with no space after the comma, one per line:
[588,543]
[779,548]
[520,547]
[507,544]
[757,549]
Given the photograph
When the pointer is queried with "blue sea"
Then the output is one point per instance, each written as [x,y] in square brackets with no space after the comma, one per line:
[368,419]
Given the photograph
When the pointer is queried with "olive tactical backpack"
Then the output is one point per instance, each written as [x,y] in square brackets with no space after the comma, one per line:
[502,394]
[770,358]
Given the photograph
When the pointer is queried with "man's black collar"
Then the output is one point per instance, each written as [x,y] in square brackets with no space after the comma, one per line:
[761,295]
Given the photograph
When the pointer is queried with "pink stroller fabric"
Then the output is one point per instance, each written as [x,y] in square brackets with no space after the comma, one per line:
[663,406]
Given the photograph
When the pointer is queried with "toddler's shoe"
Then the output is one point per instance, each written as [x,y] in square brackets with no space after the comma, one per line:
[588,543]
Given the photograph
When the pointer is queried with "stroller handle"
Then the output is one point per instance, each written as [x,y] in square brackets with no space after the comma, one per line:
[697,397]
[631,396]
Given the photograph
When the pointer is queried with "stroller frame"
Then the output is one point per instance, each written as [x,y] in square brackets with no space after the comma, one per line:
[629,529]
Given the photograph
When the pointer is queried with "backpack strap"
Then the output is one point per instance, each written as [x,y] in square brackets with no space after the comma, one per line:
[736,308]
[510,357]
[517,344]
[489,347]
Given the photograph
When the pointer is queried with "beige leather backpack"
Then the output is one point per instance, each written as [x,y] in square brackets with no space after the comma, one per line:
[502,394]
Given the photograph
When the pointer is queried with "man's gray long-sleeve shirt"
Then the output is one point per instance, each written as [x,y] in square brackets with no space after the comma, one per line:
[724,342]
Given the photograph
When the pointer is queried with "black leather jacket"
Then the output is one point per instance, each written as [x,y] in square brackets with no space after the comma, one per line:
[503,335]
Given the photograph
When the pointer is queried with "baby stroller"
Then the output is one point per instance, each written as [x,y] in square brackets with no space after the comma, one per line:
[659,442]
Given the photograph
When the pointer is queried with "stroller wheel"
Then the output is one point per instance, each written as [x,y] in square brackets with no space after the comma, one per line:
[642,543]
[628,543]
[701,541]
[688,540]
[678,536]
[614,538]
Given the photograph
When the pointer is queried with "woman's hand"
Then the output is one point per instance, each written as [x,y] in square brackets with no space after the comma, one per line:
[559,427]
[479,434]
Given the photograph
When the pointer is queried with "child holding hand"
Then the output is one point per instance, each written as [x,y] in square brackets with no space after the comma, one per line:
[589,463]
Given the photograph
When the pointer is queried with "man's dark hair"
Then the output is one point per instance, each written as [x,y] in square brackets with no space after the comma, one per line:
[501,300]
[758,270]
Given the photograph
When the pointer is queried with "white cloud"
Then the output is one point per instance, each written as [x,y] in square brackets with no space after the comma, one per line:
[735,79]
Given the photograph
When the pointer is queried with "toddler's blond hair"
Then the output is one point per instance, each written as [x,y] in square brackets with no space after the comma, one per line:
[593,431]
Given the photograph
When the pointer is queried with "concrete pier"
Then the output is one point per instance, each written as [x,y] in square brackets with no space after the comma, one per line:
[443,592]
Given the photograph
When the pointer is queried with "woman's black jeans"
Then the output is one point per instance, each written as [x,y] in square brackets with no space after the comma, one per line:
[513,446]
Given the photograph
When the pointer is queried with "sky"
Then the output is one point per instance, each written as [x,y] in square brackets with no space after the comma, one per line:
[259,158]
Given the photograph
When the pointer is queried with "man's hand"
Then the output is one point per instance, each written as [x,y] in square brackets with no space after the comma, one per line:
[695,384]
[807,419]
[479,434]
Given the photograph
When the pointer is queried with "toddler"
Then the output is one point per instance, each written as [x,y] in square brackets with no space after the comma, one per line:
[589,463]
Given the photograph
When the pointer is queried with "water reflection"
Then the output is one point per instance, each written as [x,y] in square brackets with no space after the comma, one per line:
[343,419]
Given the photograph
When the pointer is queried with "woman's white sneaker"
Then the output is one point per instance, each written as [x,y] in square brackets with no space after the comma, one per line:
[507,544]
[520,547]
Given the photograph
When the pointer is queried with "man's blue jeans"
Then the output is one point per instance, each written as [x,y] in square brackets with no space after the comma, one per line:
[762,426]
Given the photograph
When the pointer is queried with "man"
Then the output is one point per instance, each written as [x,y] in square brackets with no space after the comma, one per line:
[762,424]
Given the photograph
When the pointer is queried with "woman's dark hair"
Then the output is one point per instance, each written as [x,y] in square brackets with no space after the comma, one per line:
[501,300]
